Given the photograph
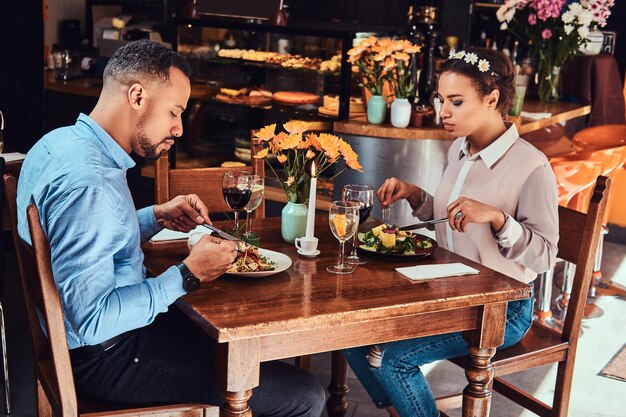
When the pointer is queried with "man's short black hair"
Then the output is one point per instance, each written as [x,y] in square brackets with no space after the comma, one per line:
[141,60]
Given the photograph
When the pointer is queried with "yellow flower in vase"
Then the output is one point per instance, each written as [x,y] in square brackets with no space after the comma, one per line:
[296,150]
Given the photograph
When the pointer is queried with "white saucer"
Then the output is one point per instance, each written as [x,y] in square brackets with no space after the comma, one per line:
[309,255]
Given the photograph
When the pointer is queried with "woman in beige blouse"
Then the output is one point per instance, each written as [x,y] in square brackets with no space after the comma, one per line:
[506,193]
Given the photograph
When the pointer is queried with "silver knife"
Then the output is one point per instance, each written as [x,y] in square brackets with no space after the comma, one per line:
[429,222]
[220,233]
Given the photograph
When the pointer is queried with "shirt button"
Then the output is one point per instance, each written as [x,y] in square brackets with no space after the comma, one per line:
[136,360]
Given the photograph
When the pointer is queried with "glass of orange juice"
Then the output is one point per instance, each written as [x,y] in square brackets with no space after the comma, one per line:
[344,222]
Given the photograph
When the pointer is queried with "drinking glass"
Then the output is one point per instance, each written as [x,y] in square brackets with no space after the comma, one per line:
[363,195]
[258,186]
[344,222]
[237,189]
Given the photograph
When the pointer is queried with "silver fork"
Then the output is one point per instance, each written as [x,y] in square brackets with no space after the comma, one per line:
[386,212]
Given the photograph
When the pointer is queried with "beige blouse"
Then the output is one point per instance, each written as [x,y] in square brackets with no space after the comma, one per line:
[514,176]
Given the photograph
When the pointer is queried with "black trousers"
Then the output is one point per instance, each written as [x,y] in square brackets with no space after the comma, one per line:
[172,360]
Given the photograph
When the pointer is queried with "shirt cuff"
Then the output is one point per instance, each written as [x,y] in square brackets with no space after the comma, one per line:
[171,285]
[148,225]
[510,232]
[423,211]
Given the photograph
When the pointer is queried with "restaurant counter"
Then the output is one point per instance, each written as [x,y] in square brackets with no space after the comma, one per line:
[417,155]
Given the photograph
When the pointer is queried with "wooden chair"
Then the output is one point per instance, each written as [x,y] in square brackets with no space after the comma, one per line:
[5,360]
[578,242]
[205,182]
[56,394]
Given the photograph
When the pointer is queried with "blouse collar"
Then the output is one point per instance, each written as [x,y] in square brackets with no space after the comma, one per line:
[492,153]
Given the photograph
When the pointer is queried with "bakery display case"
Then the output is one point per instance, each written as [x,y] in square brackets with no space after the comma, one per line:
[257,74]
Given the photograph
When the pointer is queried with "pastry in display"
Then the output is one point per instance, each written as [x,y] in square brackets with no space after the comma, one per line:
[258,56]
[331,65]
[330,106]
[296,97]
[298,61]
[284,60]
[231,53]
[245,96]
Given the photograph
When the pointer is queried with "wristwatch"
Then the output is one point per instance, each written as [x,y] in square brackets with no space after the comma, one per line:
[190,282]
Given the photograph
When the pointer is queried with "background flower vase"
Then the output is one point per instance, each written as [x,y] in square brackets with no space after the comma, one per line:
[400,75]
[555,31]
[376,110]
[549,83]
[293,221]
[400,112]
[381,61]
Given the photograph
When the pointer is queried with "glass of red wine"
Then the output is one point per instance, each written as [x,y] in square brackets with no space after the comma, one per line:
[363,195]
[237,189]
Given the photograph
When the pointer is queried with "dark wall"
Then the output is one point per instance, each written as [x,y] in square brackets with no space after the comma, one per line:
[21,72]
[366,12]
[616,23]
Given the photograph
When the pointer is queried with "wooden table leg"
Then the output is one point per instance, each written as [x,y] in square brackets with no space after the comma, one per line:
[238,365]
[236,404]
[479,373]
[337,405]
[482,346]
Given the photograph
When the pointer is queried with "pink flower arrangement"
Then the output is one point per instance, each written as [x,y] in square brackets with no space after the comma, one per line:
[547,9]
[541,23]
[553,30]
[601,10]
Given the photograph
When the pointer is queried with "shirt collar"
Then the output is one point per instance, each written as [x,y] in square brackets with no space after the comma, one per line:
[117,153]
[492,153]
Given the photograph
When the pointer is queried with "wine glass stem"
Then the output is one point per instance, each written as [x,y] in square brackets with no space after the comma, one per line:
[353,252]
[248,221]
[236,221]
[341,243]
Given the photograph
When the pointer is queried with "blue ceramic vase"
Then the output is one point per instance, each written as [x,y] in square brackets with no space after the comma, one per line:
[293,222]
[376,110]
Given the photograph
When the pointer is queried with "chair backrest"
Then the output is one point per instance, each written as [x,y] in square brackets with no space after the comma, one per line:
[60,379]
[578,241]
[205,182]
[51,354]
[26,266]
[1,226]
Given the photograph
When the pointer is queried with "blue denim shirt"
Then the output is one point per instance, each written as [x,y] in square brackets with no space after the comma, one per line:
[76,176]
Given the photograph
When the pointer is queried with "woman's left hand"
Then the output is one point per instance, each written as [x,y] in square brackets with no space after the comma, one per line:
[474,212]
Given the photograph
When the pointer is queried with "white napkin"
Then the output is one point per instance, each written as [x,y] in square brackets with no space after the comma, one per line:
[535,116]
[421,272]
[13,156]
[167,234]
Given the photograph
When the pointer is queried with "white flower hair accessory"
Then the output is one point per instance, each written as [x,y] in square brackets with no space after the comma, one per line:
[471,58]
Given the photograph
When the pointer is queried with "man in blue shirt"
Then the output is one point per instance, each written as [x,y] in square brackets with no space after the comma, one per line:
[126,345]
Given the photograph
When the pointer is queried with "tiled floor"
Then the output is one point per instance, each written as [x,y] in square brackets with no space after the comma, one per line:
[592,395]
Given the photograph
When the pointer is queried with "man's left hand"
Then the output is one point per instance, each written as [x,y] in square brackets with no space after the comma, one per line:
[182,213]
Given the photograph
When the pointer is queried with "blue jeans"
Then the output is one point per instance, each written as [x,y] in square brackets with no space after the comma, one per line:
[399,380]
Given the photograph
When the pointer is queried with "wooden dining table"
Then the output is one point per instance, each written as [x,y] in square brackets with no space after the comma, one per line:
[306,310]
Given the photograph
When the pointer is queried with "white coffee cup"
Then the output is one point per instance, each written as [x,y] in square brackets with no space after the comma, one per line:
[306,244]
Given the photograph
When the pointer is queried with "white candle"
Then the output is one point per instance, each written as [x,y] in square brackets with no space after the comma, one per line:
[310,219]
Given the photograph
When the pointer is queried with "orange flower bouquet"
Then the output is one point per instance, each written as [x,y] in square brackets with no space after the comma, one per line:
[369,57]
[381,59]
[297,150]
[398,65]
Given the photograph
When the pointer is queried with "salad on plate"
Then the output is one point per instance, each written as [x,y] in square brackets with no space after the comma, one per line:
[387,239]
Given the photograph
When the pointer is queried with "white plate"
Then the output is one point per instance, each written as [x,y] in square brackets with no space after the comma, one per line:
[282,261]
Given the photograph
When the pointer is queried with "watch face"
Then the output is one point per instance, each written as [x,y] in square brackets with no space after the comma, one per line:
[191,284]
